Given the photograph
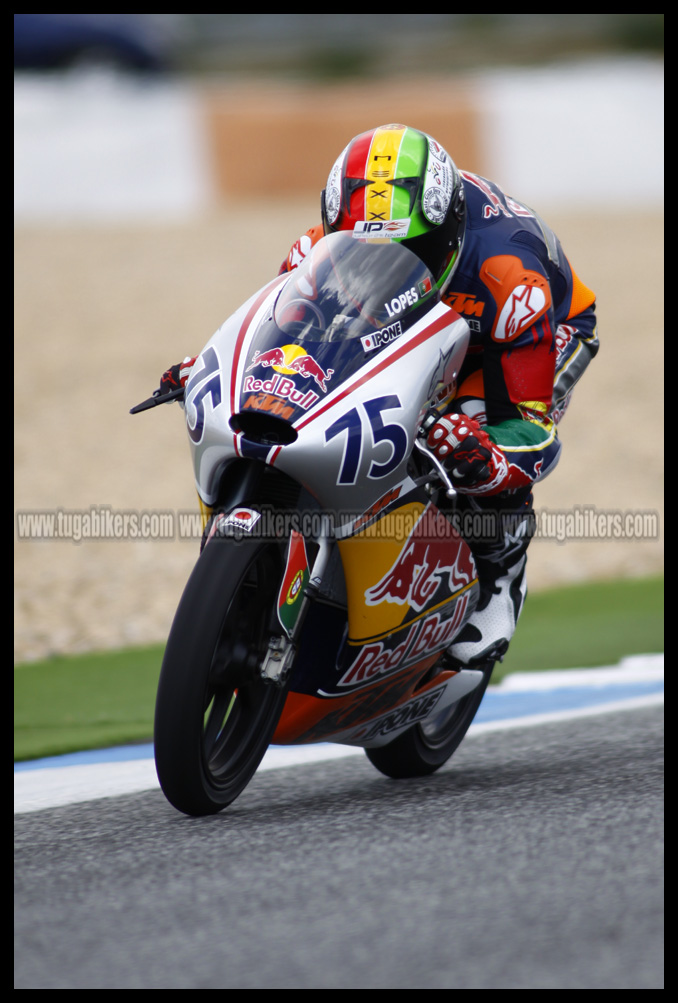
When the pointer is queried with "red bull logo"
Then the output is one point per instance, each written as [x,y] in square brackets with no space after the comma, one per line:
[277,387]
[274,357]
[433,554]
[306,366]
[292,359]
[425,637]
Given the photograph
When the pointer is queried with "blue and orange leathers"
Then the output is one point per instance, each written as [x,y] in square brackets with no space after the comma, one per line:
[533,329]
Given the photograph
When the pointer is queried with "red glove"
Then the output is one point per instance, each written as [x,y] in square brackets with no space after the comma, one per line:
[176,376]
[475,463]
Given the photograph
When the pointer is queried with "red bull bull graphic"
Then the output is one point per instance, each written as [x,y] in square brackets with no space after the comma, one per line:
[433,554]
[273,357]
[291,359]
[306,366]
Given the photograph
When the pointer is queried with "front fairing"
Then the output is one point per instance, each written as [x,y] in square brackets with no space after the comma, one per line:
[326,372]
[347,300]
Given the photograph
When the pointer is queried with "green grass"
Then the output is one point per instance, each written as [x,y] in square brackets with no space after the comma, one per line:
[91,701]
[66,704]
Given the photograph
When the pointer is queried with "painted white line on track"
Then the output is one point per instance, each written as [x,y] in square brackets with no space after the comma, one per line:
[521,700]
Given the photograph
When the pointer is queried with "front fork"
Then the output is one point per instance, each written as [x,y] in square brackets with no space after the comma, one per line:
[296,591]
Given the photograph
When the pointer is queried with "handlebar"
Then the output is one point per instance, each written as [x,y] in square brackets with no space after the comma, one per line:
[158,398]
[427,423]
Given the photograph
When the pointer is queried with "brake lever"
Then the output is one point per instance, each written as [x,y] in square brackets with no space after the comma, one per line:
[428,421]
[450,489]
[158,398]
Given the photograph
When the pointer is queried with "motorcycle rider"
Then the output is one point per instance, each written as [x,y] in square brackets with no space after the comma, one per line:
[532,334]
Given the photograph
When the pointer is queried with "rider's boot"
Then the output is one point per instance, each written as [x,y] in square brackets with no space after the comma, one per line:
[503,587]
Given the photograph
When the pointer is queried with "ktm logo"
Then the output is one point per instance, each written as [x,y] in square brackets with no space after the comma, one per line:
[380,504]
[464,304]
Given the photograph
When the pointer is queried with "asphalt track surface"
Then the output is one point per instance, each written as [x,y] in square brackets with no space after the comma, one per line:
[533,859]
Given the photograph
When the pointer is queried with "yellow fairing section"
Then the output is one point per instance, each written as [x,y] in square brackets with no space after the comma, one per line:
[366,558]
[205,512]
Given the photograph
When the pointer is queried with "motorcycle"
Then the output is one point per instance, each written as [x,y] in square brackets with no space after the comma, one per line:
[331,577]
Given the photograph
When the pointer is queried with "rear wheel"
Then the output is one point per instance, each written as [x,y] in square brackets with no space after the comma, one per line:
[214,716]
[423,749]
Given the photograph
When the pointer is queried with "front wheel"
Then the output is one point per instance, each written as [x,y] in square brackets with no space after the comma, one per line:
[424,748]
[214,716]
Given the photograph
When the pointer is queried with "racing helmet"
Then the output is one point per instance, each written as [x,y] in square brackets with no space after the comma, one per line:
[398,183]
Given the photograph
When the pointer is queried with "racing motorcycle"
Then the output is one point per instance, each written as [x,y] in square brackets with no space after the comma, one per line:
[331,577]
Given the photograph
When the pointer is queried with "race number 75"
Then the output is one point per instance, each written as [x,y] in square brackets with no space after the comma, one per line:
[206,382]
[352,425]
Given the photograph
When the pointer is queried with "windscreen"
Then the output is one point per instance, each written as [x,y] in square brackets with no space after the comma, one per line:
[350,288]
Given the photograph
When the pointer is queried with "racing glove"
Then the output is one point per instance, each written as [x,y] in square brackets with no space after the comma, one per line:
[475,463]
[301,248]
[176,376]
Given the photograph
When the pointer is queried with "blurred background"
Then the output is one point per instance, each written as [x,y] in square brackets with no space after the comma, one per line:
[163,165]
[149,114]
[326,46]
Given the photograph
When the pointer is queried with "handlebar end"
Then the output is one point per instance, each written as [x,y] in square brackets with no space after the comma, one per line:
[158,398]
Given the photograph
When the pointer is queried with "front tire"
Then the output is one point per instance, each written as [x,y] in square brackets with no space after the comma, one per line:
[214,716]
[423,749]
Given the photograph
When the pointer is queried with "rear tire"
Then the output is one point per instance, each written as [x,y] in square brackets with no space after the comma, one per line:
[423,749]
[214,716]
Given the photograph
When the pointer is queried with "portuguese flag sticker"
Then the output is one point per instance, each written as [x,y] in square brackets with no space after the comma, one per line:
[294,583]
